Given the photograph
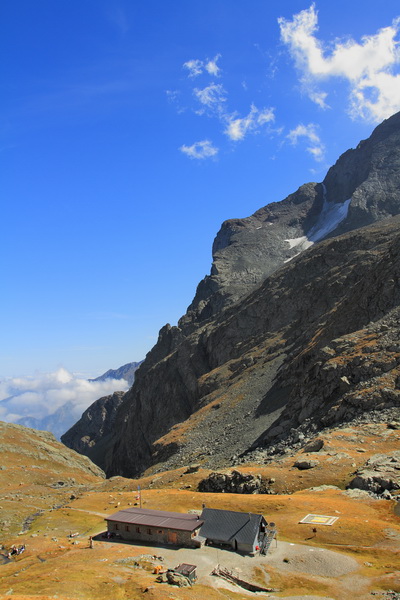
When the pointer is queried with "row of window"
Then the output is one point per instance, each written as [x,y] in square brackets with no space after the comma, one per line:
[127,528]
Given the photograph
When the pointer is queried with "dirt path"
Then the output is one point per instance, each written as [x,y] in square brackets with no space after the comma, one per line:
[89,512]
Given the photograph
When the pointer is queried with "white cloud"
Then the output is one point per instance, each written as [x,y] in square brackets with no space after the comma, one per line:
[319,98]
[200,150]
[212,101]
[212,96]
[195,67]
[370,67]
[316,147]
[238,128]
[40,396]
[212,68]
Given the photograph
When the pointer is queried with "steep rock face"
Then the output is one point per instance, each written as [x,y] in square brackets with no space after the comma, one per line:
[238,372]
[90,433]
[361,188]
[245,251]
[241,381]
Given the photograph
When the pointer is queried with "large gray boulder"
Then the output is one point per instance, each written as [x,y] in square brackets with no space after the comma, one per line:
[381,473]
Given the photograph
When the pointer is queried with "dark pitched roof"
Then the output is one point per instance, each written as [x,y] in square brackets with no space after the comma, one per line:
[228,525]
[157,518]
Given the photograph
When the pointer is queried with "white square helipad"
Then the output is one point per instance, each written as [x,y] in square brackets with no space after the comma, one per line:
[319,520]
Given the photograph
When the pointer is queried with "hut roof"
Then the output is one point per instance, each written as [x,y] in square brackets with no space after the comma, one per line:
[228,525]
[157,518]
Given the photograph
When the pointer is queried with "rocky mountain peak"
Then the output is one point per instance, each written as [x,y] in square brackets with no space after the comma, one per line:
[246,371]
[360,189]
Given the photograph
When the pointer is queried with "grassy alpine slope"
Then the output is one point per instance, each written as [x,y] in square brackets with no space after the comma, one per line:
[49,492]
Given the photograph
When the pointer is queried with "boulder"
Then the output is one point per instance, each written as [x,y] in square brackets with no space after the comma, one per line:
[306,464]
[314,445]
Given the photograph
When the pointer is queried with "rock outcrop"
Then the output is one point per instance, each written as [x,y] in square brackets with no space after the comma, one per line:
[287,335]
[90,434]
[233,482]
[380,475]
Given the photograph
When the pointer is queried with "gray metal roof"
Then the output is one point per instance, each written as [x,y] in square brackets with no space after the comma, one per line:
[228,525]
[157,518]
[185,569]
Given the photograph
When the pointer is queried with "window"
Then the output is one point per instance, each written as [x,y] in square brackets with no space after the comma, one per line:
[149,531]
[116,526]
[137,529]
[160,531]
[127,528]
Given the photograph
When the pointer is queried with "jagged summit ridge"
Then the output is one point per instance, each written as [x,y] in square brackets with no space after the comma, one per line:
[361,188]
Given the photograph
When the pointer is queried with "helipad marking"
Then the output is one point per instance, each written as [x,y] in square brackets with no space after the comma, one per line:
[319,519]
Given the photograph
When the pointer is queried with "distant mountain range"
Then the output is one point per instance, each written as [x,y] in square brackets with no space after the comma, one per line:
[126,372]
[295,329]
[64,417]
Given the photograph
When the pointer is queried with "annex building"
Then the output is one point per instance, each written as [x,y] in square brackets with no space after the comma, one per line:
[242,532]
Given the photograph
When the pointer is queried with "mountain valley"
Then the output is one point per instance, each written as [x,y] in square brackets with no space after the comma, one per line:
[52,500]
[277,393]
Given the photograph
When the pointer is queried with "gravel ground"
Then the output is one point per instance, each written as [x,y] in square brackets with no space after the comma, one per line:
[286,557]
[313,561]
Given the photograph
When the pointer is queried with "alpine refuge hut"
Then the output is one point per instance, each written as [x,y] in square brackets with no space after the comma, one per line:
[157,526]
[242,532]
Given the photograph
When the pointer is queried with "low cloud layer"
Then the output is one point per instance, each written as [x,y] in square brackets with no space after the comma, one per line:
[40,396]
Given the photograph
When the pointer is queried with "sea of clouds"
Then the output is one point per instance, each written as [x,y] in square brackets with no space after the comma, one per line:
[52,401]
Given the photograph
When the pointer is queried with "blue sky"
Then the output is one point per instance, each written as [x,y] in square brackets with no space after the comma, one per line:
[132,129]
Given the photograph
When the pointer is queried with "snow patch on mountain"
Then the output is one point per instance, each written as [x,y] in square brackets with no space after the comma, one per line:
[332,214]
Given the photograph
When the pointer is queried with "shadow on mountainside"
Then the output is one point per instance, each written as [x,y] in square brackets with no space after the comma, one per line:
[275,399]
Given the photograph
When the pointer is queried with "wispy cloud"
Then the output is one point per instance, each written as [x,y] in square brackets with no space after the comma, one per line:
[200,150]
[371,66]
[315,147]
[196,66]
[213,102]
[174,97]
[212,68]
[212,96]
[238,128]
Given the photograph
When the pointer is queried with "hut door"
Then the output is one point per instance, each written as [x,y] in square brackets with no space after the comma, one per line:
[172,537]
